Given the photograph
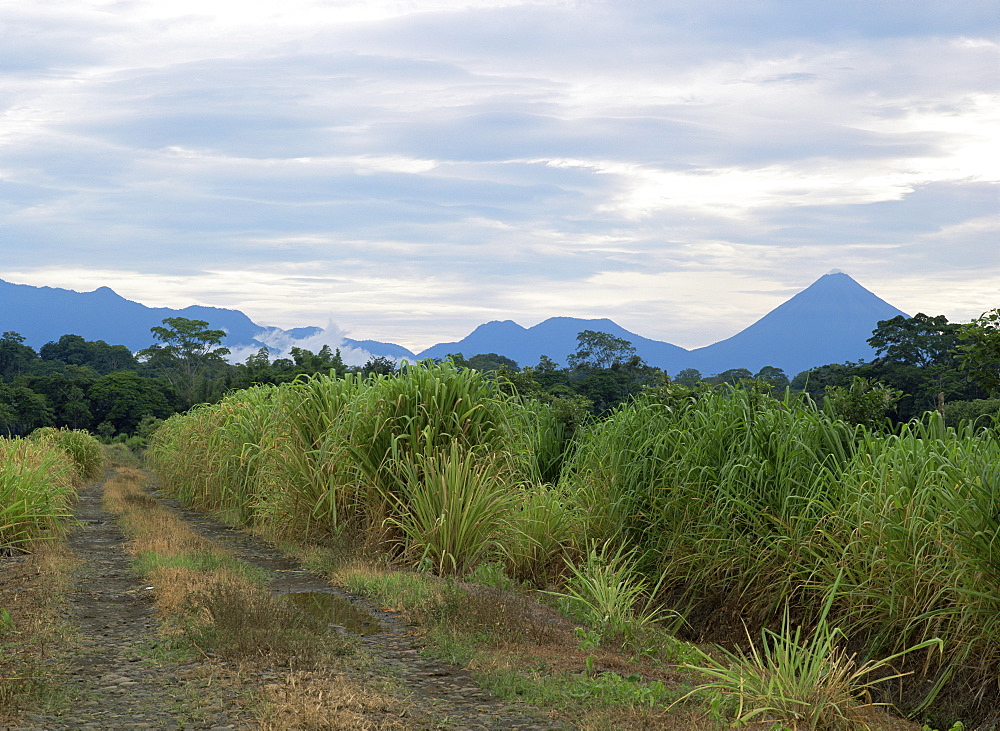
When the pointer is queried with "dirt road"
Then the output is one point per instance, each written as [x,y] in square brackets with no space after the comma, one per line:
[120,674]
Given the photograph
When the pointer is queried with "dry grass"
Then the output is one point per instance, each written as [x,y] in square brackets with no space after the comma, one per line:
[216,602]
[32,631]
[316,702]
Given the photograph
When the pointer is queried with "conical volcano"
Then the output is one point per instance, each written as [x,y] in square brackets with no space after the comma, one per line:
[828,322]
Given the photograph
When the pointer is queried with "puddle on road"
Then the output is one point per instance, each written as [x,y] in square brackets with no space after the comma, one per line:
[336,610]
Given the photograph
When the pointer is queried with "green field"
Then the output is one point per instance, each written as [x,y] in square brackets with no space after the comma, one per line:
[687,505]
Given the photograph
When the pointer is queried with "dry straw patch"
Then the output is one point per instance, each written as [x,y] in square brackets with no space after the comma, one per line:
[33,633]
[316,702]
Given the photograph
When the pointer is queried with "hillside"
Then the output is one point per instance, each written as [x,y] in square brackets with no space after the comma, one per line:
[828,322]
[44,314]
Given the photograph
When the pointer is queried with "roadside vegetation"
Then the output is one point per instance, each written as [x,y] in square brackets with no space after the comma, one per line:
[38,479]
[620,547]
[686,515]
[38,482]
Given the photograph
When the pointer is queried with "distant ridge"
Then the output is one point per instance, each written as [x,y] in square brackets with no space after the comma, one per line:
[828,322]
[555,337]
[44,314]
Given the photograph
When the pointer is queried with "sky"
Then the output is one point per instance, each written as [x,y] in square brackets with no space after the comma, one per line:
[405,170]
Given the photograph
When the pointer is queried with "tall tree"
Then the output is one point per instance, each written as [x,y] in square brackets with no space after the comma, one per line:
[74,350]
[122,399]
[920,340]
[732,377]
[774,377]
[979,350]
[597,350]
[492,362]
[379,365]
[689,377]
[22,410]
[188,351]
[15,357]
[917,355]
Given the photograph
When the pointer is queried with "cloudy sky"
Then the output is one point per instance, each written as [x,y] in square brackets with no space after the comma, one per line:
[409,169]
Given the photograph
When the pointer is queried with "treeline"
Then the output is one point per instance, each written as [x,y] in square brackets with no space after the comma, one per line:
[119,395]
[923,363]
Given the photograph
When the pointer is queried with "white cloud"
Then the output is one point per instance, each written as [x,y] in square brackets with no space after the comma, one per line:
[415,167]
[281,345]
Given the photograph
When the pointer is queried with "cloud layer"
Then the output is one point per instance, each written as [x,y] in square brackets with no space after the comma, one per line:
[418,167]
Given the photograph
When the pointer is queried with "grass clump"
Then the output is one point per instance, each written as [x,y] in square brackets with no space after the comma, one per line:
[811,683]
[37,485]
[453,509]
[607,591]
[86,452]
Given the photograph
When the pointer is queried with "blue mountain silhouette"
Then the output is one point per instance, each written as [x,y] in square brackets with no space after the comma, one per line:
[44,314]
[555,337]
[828,322]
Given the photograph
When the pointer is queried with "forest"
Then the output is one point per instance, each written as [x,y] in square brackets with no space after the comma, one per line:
[923,363]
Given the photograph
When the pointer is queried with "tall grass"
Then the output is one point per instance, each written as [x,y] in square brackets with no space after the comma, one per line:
[918,542]
[85,451]
[758,504]
[396,460]
[38,479]
[722,492]
[722,499]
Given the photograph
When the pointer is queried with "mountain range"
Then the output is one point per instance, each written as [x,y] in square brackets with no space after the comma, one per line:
[828,322]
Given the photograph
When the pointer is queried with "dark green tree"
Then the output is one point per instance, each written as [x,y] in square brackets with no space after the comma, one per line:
[74,412]
[23,410]
[979,351]
[69,349]
[65,391]
[596,350]
[920,340]
[103,358]
[16,358]
[122,399]
[189,354]
[917,355]
[492,362]
[380,365]
[775,378]
[731,377]
[325,361]
[688,377]
[546,365]
[457,359]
